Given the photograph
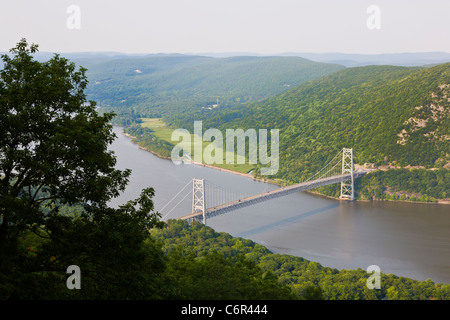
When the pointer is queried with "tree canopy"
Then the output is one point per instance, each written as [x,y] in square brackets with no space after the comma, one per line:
[53,146]
[57,176]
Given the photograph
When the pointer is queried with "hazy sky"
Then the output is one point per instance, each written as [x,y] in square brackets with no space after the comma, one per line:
[259,26]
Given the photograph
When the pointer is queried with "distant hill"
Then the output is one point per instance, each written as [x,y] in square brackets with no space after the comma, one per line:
[356,60]
[395,59]
[346,59]
[155,85]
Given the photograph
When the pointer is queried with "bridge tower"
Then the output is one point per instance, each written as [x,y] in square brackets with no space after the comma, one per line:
[347,187]
[198,197]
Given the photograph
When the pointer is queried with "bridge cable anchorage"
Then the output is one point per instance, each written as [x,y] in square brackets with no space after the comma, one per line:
[340,169]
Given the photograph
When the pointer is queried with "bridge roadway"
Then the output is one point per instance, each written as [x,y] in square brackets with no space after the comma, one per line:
[244,202]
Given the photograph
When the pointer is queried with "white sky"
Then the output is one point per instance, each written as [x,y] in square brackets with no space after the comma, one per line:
[258,26]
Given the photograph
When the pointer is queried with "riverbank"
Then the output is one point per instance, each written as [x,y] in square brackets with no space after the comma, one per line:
[278,183]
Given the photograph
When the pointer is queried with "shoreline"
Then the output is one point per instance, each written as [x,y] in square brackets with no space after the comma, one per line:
[277,183]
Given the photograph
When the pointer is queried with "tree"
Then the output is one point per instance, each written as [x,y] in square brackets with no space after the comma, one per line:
[53,147]
[391,293]
[313,293]
[57,177]
[214,276]
[117,257]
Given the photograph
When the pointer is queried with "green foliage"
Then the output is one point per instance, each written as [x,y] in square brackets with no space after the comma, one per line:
[313,293]
[168,86]
[405,184]
[56,179]
[111,246]
[204,264]
[143,136]
[198,244]
[214,276]
[52,141]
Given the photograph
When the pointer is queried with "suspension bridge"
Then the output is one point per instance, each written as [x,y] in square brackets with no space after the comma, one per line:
[209,200]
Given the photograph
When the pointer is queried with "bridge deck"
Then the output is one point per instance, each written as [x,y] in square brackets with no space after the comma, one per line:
[237,204]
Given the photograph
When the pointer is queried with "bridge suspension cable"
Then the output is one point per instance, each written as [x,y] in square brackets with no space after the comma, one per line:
[332,169]
[218,195]
[173,198]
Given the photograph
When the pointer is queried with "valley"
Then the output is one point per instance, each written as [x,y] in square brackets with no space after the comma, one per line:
[396,118]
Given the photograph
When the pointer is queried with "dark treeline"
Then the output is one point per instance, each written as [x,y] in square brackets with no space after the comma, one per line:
[305,279]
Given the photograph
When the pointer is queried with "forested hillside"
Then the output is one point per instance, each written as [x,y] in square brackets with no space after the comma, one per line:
[306,279]
[158,85]
[389,115]
[392,117]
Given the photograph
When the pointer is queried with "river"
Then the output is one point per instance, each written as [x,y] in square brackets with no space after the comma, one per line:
[405,239]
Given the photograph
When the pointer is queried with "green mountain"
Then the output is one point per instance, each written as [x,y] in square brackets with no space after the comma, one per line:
[158,85]
[391,116]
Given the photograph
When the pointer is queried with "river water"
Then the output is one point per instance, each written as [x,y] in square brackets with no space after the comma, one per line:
[405,239]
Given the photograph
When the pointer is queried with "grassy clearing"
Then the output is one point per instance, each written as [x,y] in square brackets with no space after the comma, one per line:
[163,132]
